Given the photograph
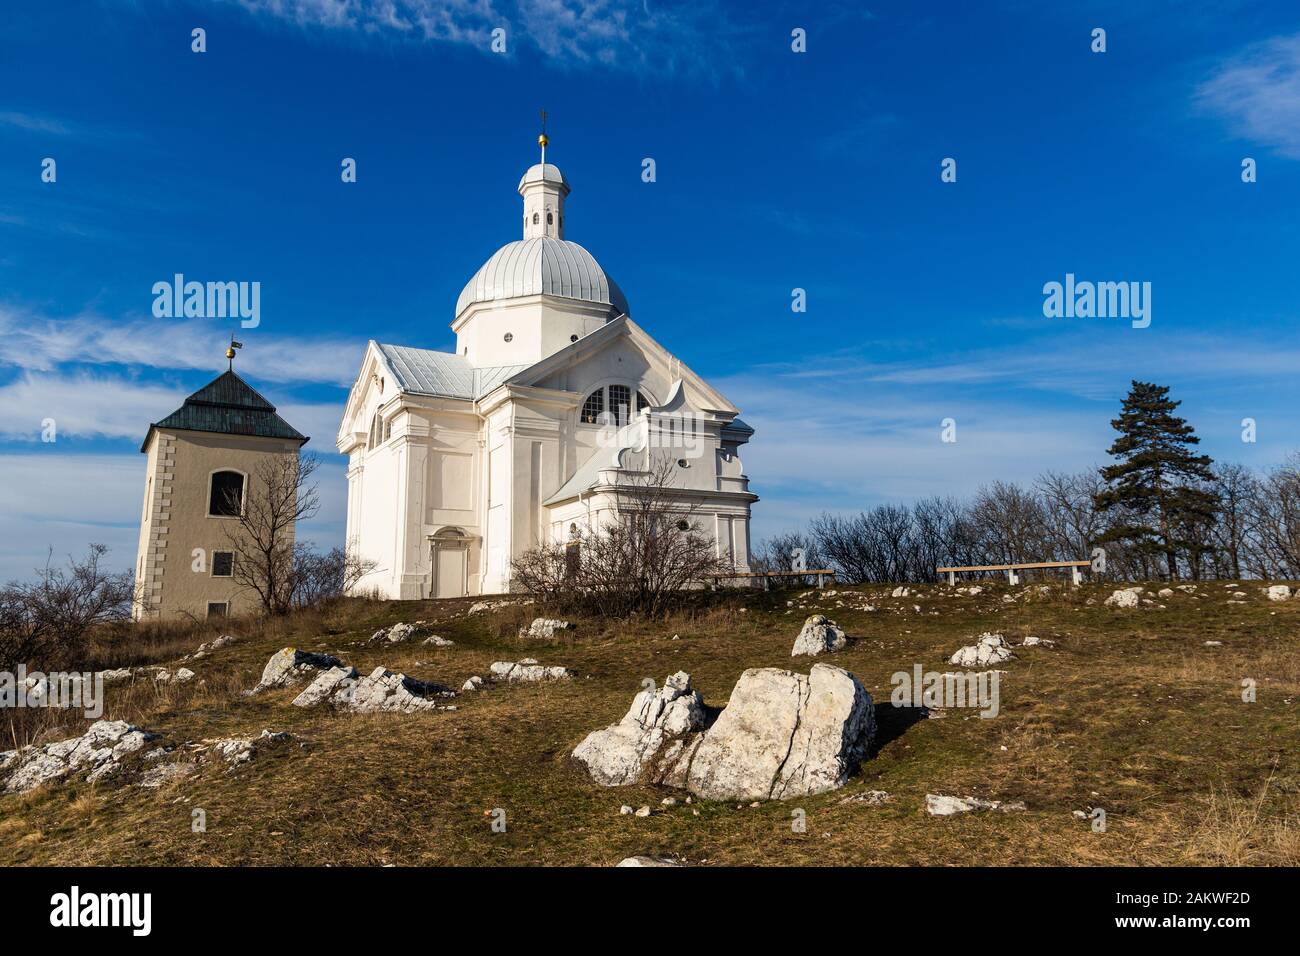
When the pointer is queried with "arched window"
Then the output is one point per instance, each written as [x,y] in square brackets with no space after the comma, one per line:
[550,220]
[593,407]
[536,219]
[376,431]
[617,399]
[226,494]
[620,403]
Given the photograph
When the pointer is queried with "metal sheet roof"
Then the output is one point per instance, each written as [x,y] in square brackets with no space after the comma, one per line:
[445,374]
[542,266]
[228,406]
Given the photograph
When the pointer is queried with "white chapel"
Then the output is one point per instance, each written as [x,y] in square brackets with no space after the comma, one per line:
[460,461]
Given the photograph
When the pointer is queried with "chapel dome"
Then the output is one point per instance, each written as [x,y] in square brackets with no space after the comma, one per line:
[542,266]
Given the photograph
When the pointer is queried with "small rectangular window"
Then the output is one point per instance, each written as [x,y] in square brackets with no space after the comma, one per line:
[223,564]
[218,608]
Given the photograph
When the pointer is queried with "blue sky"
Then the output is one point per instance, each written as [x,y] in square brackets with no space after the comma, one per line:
[775,170]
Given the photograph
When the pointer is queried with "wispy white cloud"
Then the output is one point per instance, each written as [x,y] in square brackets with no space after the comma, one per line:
[1257,92]
[85,404]
[33,123]
[682,36]
[844,431]
[38,343]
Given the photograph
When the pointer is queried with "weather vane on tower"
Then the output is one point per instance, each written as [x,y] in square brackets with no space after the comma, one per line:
[230,353]
[542,140]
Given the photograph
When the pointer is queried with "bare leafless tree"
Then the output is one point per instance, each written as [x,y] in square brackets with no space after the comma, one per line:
[278,496]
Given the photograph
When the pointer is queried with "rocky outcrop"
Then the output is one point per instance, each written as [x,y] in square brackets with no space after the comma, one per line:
[386,691]
[290,665]
[649,741]
[326,685]
[527,671]
[784,735]
[381,691]
[987,650]
[781,735]
[544,628]
[818,636]
[98,752]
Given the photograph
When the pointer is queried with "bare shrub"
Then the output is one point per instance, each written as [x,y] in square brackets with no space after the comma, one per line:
[49,620]
[648,552]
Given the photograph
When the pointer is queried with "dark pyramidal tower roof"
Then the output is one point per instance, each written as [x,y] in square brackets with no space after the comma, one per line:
[229,406]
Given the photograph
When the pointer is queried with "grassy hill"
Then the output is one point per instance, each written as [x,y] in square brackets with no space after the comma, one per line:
[1130,711]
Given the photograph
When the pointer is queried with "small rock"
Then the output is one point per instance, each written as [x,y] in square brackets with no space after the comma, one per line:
[544,627]
[818,636]
[528,671]
[646,861]
[1125,597]
[988,649]
[943,806]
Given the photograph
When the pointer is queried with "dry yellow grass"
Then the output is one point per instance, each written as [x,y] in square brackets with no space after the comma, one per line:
[1130,711]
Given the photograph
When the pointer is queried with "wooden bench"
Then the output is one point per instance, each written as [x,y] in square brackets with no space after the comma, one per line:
[821,574]
[1012,578]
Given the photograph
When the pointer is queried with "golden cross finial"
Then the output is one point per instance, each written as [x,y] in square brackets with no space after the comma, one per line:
[230,353]
[542,140]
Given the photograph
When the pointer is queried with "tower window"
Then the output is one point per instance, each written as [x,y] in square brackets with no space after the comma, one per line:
[536,219]
[550,220]
[226,498]
[593,407]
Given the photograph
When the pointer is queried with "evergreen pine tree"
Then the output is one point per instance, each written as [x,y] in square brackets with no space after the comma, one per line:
[1155,484]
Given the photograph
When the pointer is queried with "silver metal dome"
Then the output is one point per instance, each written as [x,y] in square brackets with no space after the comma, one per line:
[542,266]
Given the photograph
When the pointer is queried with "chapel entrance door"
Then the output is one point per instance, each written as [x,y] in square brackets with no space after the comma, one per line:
[450,563]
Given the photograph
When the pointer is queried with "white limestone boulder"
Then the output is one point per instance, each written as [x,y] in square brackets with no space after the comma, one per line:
[784,735]
[398,633]
[647,743]
[987,650]
[818,636]
[1277,592]
[527,671]
[386,691]
[326,685]
[290,665]
[646,861]
[1125,597]
[544,628]
[939,805]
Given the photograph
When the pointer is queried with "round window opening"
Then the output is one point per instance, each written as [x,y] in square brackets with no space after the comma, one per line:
[509,336]
[683,463]
[573,338]
[683,525]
